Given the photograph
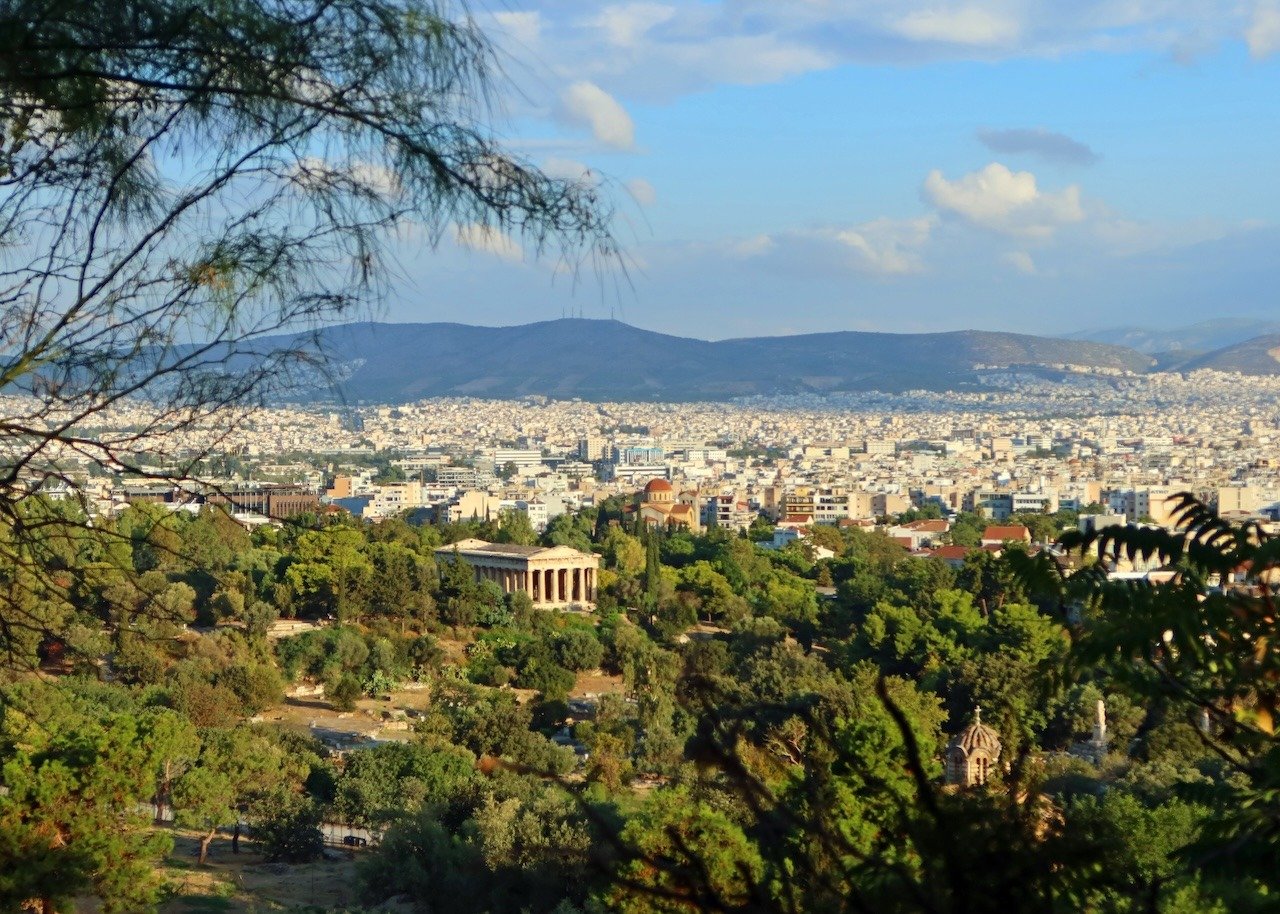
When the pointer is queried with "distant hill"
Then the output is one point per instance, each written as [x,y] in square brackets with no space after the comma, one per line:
[609,360]
[1193,339]
[1258,356]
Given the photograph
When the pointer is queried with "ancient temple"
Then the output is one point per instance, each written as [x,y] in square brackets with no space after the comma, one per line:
[972,753]
[551,575]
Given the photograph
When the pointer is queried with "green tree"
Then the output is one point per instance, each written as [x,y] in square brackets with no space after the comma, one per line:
[344,691]
[72,818]
[387,782]
[1197,646]
[514,527]
[235,768]
[577,648]
[705,861]
[192,193]
[286,826]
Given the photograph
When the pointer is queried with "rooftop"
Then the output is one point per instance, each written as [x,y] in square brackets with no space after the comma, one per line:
[480,547]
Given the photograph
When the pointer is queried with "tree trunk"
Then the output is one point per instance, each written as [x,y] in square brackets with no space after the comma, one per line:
[162,792]
[205,842]
[235,837]
[46,906]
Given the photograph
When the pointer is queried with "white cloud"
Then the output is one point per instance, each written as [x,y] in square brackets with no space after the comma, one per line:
[745,60]
[1005,201]
[642,191]
[586,103]
[889,247]
[370,176]
[970,25]
[625,24]
[478,237]
[882,247]
[568,170]
[661,49]
[752,247]
[524,28]
[1263,34]
[1020,261]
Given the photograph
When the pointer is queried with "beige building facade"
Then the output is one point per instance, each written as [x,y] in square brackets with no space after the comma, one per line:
[554,576]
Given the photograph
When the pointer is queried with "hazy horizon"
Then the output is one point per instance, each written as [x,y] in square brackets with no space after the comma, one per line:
[1243,322]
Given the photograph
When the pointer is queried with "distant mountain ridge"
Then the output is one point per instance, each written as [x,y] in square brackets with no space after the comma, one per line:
[1203,337]
[609,360]
[1257,356]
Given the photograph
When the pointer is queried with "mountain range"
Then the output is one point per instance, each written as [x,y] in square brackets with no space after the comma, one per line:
[1257,356]
[1194,339]
[609,360]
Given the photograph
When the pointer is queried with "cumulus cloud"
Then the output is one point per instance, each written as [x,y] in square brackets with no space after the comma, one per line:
[524,28]
[888,247]
[478,237]
[368,176]
[1263,33]
[970,25]
[1020,261]
[1037,141]
[625,24]
[568,170]
[660,49]
[1004,201]
[586,103]
[754,246]
[642,191]
[882,247]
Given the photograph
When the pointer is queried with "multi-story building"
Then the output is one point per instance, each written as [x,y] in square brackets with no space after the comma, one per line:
[277,502]
[520,458]
[628,474]
[593,447]
[640,455]
[727,512]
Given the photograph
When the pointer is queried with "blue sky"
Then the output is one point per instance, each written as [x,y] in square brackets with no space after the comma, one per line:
[807,165]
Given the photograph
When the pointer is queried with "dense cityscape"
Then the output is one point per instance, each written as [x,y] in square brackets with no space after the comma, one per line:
[1036,446]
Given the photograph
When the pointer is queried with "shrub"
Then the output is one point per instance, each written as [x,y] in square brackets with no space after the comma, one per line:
[344,691]
[287,827]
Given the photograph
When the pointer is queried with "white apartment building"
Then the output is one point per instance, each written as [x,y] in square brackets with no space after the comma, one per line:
[537,511]
[522,458]
[635,472]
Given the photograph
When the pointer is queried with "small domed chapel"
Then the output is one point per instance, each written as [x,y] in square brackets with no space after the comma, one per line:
[972,753]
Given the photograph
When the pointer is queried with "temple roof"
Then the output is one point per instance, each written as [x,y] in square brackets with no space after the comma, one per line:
[479,547]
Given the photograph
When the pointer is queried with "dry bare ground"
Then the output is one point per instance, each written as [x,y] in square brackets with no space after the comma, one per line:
[243,884]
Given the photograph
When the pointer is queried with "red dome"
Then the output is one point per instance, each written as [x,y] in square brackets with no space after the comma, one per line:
[657,485]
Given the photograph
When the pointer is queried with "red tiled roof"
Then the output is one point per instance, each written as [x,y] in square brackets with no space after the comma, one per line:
[1011,532]
[928,526]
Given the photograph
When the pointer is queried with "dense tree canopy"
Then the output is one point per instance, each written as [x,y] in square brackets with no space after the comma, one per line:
[188,191]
